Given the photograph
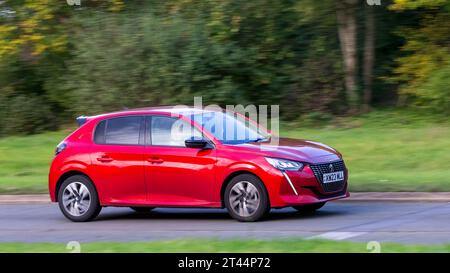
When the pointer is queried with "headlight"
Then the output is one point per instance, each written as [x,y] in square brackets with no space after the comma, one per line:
[284,164]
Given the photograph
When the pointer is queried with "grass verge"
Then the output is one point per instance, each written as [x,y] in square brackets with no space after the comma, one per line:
[384,151]
[216,246]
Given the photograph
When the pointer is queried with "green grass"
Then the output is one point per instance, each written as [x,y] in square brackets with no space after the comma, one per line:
[25,161]
[388,153]
[214,246]
[384,151]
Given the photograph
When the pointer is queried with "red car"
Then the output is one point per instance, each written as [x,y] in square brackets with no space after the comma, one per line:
[172,157]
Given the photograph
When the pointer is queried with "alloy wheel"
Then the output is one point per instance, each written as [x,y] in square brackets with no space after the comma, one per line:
[244,198]
[76,199]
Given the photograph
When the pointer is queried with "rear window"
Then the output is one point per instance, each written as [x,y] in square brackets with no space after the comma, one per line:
[122,131]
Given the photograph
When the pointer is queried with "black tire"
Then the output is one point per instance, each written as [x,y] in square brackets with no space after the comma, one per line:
[142,209]
[263,207]
[310,208]
[93,208]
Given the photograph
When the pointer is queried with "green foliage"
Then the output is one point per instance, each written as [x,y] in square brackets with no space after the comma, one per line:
[23,108]
[233,53]
[21,114]
[435,90]
[415,4]
[62,61]
[32,29]
[423,69]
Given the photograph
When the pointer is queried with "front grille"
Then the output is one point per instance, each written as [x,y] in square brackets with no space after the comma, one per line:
[320,169]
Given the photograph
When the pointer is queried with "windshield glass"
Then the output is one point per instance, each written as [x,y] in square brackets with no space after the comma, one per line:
[230,128]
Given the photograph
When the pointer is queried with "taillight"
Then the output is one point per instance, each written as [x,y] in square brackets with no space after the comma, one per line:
[61,146]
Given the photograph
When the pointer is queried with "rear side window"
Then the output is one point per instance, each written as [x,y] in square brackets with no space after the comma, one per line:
[121,131]
[99,136]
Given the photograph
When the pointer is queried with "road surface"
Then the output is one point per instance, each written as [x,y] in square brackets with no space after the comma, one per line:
[411,222]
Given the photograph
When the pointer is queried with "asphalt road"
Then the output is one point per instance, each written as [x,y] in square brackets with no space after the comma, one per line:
[411,222]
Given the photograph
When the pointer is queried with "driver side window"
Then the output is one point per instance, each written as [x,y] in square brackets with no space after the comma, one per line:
[170,131]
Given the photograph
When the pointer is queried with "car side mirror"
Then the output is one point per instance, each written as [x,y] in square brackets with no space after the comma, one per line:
[198,143]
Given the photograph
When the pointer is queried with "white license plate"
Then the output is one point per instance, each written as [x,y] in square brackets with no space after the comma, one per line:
[333,177]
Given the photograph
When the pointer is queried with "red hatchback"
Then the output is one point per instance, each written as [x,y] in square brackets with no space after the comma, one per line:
[172,157]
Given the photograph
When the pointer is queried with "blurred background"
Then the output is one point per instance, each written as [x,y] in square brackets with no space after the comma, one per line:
[370,78]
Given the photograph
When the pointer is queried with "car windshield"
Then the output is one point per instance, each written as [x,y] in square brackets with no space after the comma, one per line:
[230,128]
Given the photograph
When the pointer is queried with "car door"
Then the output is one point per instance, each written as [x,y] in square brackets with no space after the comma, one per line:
[175,174]
[118,159]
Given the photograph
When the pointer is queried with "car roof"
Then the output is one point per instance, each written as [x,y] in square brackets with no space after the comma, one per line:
[178,110]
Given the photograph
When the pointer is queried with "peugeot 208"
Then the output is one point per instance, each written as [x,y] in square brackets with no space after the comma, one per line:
[172,157]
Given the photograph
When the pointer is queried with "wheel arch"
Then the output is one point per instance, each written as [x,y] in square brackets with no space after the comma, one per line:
[68,174]
[233,175]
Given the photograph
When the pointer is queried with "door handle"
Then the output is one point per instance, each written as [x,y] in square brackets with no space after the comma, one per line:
[155,160]
[104,158]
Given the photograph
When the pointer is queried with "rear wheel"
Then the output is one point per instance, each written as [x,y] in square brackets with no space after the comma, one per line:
[141,209]
[246,198]
[78,200]
[310,208]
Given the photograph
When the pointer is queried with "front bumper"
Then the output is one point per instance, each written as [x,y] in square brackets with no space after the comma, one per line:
[301,188]
[309,197]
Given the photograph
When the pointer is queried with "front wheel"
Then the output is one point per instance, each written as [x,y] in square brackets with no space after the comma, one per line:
[246,198]
[310,208]
[78,200]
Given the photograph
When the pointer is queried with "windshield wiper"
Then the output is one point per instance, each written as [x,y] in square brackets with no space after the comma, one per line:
[260,139]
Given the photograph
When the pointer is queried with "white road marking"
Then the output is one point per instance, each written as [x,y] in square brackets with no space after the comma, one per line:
[337,235]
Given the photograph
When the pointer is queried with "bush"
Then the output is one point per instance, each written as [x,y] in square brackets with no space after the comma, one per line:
[435,92]
[25,115]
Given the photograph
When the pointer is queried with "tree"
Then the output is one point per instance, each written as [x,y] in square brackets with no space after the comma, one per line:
[347,29]
[35,44]
[369,56]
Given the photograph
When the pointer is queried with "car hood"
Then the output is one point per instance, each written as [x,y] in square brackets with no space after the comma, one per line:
[294,149]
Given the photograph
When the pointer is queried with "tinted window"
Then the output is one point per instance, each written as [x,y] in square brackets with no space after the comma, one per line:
[99,135]
[123,130]
[168,131]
